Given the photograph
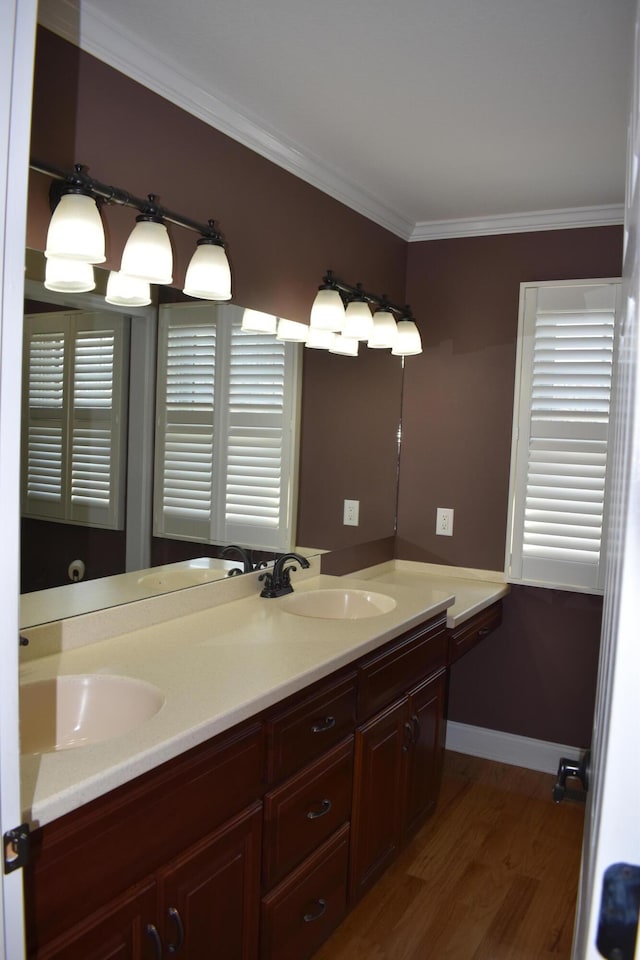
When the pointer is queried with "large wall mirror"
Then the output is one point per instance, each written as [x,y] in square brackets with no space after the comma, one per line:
[348,448]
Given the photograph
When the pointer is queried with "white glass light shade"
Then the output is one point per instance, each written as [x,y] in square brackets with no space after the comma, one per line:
[408,341]
[320,339]
[384,330]
[147,253]
[292,330]
[327,312]
[75,230]
[254,321]
[124,291]
[347,346]
[358,321]
[208,274]
[69,276]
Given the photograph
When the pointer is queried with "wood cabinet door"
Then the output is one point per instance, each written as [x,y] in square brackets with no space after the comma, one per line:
[424,757]
[123,930]
[376,820]
[210,896]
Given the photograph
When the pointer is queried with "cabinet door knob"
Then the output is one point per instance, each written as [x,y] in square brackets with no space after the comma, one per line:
[324,807]
[323,725]
[310,917]
[408,732]
[174,915]
[152,932]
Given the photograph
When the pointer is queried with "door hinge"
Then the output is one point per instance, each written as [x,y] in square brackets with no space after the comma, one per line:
[16,848]
[619,909]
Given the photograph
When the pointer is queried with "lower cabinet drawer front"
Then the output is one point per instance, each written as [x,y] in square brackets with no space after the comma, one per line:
[309,728]
[305,810]
[300,913]
[468,634]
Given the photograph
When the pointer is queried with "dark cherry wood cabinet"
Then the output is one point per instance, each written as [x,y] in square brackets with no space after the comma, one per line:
[465,636]
[256,843]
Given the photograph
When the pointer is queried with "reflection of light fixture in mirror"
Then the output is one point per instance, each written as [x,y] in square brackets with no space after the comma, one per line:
[408,341]
[292,330]
[358,321]
[347,346]
[254,321]
[147,254]
[383,330]
[327,312]
[319,339]
[68,276]
[208,274]
[124,291]
[75,229]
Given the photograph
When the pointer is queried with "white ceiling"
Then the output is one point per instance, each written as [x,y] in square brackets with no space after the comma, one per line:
[432,117]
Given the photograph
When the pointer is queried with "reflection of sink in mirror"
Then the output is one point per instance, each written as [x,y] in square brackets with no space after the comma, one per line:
[175,579]
[76,710]
[338,604]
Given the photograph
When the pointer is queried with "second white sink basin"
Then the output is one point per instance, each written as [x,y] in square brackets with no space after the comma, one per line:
[75,710]
[338,604]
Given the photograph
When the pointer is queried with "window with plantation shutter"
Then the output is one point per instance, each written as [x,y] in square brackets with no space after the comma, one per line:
[73,408]
[226,413]
[564,375]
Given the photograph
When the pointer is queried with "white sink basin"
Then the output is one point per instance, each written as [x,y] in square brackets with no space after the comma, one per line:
[338,604]
[75,710]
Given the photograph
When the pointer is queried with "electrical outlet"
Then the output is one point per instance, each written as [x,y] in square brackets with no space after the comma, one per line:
[351,513]
[444,521]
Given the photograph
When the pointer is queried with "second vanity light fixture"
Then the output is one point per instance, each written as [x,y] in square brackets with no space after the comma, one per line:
[341,319]
[75,242]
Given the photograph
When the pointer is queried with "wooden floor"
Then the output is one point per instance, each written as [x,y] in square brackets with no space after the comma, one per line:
[493,875]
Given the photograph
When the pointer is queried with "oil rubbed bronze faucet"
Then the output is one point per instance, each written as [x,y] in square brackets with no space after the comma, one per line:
[278,582]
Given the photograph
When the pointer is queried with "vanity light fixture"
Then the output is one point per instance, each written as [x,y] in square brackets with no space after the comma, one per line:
[254,321]
[292,330]
[124,291]
[68,276]
[381,331]
[76,233]
[346,346]
[327,311]
[75,229]
[319,339]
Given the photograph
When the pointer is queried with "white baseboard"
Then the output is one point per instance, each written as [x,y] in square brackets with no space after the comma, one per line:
[508,748]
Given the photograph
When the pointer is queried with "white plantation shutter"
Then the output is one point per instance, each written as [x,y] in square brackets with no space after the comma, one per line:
[74,405]
[561,423]
[226,411]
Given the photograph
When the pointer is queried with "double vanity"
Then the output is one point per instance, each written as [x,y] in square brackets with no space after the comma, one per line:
[247,768]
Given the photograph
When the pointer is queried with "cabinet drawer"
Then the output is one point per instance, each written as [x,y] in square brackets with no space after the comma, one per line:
[306,907]
[305,810]
[474,630]
[408,660]
[308,728]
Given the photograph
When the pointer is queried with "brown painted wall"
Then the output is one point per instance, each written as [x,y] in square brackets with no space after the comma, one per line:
[536,676]
[282,236]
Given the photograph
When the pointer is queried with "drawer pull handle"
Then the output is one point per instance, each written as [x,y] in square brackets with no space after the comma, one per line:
[323,725]
[483,632]
[152,931]
[310,917]
[325,806]
[174,915]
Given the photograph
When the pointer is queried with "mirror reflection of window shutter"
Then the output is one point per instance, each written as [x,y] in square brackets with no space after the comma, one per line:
[558,477]
[74,408]
[185,422]
[226,412]
[257,460]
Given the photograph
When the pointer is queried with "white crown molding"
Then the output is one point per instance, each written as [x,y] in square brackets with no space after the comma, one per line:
[508,748]
[94,32]
[566,219]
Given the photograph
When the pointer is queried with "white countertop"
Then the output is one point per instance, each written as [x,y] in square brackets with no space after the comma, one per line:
[216,666]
